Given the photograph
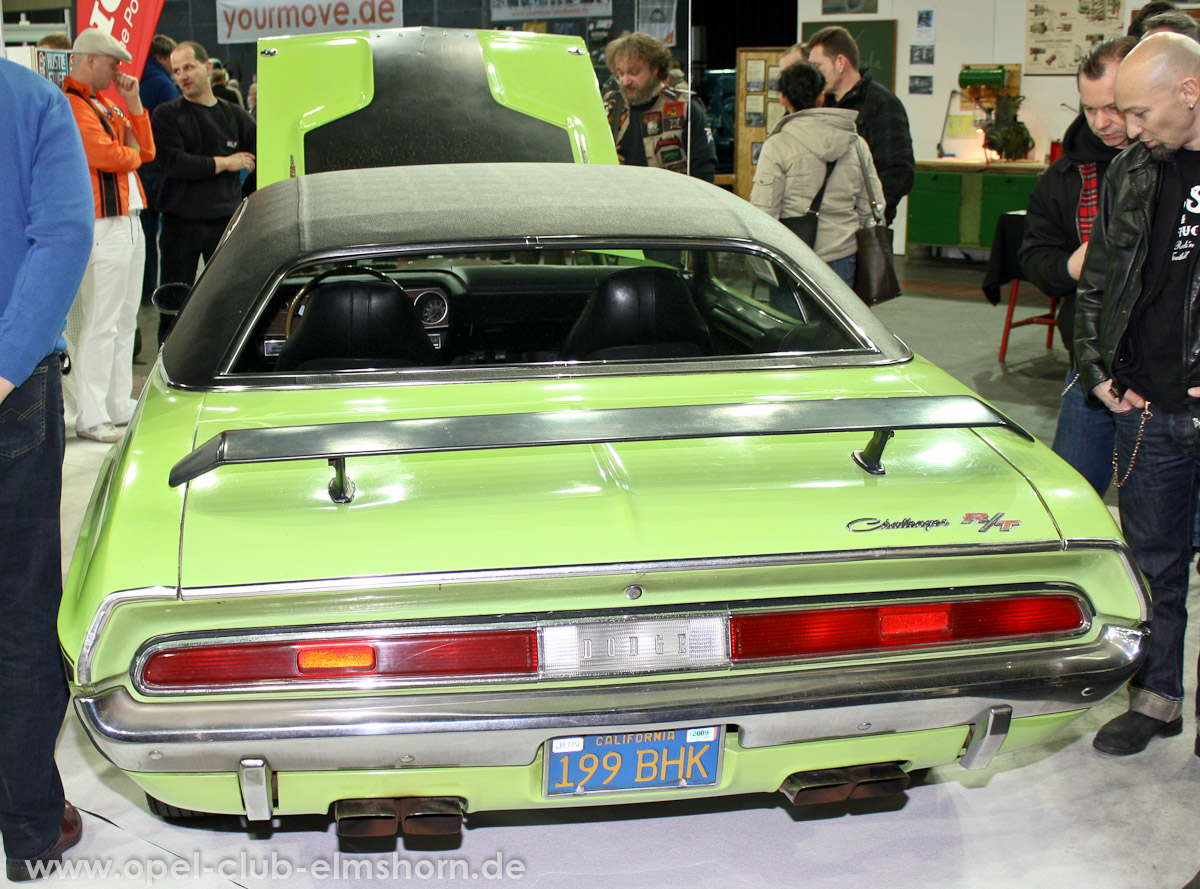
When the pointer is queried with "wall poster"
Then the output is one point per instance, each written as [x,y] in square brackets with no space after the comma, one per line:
[1059,32]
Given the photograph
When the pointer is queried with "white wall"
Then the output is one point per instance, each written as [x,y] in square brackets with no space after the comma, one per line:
[967,32]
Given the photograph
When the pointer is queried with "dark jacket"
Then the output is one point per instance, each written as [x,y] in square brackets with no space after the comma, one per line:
[188,137]
[1052,221]
[884,124]
[156,85]
[1111,283]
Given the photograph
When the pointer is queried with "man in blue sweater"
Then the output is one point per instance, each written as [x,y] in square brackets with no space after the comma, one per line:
[45,239]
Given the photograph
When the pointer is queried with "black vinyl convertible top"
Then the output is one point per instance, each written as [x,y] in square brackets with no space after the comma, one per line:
[353,212]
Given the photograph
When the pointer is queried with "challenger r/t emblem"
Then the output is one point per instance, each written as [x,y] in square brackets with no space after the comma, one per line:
[988,522]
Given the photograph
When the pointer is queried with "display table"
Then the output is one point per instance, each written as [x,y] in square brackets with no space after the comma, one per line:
[956,203]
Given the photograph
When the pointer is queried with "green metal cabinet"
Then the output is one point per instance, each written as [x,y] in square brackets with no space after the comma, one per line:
[1002,193]
[960,208]
[933,209]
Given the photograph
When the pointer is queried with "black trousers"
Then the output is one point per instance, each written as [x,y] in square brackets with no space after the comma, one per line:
[182,244]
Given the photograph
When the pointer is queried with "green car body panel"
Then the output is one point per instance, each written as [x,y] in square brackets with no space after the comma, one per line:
[643,528]
[242,528]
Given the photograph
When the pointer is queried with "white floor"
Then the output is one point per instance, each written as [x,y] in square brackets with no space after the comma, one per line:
[1057,815]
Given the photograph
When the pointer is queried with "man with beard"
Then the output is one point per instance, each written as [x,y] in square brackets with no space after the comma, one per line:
[655,125]
[1137,343]
[1058,223]
[205,148]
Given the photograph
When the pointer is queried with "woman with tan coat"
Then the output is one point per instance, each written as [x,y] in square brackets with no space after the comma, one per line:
[794,163]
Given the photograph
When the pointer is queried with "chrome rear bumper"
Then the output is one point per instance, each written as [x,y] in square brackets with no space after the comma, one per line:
[508,727]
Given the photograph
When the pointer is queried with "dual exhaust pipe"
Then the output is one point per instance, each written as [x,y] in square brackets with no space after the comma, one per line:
[412,816]
[837,785]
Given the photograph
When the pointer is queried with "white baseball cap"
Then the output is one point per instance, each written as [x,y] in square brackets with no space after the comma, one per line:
[93,40]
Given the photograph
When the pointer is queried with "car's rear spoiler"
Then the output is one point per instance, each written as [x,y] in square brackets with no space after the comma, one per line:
[337,442]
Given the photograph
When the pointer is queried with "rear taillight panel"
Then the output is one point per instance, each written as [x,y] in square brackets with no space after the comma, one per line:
[411,657]
[823,632]
[649,641]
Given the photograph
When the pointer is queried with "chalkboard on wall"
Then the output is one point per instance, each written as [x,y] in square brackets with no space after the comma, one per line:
[876,41]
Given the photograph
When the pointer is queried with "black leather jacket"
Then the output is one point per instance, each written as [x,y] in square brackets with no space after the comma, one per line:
[1111,283]
[1052,221]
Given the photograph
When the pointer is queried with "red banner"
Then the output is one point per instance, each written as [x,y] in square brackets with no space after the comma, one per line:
[132,22]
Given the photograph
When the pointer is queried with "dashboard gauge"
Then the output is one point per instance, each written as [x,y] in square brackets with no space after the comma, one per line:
[432,307]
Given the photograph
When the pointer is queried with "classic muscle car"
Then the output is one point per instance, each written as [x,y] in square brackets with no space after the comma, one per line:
[531,485]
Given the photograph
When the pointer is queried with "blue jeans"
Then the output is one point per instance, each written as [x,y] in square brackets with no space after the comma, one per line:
[33,688]
[1084,436]
[845,268]
[1157,506]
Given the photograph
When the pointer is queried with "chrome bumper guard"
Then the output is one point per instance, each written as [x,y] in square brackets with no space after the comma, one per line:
[507,728]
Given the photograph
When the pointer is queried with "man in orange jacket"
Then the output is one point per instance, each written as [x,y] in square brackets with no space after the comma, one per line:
[116,144]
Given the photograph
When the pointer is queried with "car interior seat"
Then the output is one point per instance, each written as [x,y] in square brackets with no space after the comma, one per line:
[350,325]
[644,312]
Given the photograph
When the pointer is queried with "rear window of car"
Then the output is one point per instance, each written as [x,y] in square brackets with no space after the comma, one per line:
[539,307]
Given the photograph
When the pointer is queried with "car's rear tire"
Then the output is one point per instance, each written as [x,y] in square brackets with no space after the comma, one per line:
[162,810]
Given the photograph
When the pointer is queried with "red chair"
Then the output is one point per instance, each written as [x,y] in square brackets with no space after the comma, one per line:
[1048,319]
[1004,265]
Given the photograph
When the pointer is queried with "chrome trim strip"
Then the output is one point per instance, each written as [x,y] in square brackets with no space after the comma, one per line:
[332,441]
[83,669]
[558,572]
[508,728]
[560,370]
[988,731]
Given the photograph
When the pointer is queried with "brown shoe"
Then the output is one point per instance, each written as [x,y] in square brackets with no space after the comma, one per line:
[69,834]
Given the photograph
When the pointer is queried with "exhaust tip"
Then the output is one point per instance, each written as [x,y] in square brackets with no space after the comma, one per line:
[367,817]
[852,782]
[431,816]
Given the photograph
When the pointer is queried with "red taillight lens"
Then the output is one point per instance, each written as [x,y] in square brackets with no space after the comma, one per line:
[429,656]
[786,635]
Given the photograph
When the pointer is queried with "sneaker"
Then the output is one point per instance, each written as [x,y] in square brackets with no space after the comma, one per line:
[68,835]
[105,432]
[1131,732]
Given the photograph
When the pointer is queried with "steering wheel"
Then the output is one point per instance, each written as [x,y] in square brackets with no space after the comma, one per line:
[316,279]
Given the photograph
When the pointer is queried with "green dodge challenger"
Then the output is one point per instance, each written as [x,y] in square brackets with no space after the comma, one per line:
[478,486]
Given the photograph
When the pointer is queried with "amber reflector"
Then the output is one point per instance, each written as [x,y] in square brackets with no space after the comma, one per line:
[817,632]
[336,659]
[419,656]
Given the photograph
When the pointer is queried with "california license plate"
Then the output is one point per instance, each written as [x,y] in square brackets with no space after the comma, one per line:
[623,761]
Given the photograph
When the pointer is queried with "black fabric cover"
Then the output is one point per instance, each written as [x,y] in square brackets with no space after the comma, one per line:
[357,324]
[1004,263]
[639,313]
[432,105]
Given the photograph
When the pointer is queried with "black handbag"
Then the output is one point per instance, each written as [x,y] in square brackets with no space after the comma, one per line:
[805,227]
[875,278]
